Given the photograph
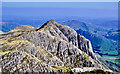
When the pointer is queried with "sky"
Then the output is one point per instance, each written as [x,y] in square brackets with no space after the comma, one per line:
[82,9]
[60,0]
[62,4]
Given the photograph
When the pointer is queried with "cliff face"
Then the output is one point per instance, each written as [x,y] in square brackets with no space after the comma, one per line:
[51,48]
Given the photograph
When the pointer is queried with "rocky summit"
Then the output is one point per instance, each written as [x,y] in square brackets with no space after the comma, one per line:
[51,48]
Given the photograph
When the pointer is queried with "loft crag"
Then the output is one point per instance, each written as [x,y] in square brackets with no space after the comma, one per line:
[50,48]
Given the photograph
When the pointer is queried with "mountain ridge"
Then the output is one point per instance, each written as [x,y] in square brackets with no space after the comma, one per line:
[56,45]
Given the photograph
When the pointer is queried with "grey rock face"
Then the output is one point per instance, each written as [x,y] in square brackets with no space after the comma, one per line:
[22,62]
[62,49]
[85,45]
[69,35]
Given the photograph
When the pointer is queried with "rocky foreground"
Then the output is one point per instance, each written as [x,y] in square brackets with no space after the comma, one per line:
[51,48]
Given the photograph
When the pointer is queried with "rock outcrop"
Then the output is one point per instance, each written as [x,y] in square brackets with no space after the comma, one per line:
[23,62]
[89,70]
[51,48]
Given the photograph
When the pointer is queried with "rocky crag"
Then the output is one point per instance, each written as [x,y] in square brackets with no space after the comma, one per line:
[50,48]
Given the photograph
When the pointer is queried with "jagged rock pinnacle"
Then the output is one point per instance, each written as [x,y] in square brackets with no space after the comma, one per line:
[51,22]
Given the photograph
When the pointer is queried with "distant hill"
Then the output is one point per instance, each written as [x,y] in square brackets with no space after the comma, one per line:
[76,25]
[113,24]
[7,26]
